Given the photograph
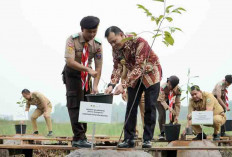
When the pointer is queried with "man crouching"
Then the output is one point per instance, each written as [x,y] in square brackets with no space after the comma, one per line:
[203,101]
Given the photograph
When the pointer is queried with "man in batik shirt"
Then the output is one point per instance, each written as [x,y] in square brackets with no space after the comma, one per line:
[144,75]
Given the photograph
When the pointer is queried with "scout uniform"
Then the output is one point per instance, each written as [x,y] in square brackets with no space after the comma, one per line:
[135,52]
[72,79]
[208,100]
[41,102]
[220,89]
[163,104]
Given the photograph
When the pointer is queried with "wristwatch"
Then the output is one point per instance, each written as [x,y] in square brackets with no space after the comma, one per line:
[110,84]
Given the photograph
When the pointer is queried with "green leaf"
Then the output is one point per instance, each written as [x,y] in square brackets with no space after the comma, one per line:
[180,8]
[156,30]
[156,35]
[166,43]
[126,39]
[145,9]
[167,9]
[172,29]
[18,102]
[169,19]
[178,29]
[158,19]
[182,98]
[176,11]
[168,38]
[133,33]
[152,18]
[159,0]
[189,89]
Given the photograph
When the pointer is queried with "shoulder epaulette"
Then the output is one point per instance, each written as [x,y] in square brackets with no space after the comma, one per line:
[97,40]
[164,86]
[75,35]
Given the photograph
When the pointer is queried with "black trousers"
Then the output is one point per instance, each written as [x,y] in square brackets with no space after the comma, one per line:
[162,115]
[75,94]
[151,95]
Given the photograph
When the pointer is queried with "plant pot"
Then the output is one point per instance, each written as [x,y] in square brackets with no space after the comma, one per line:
[228,125]
[20,128]
[100,98]
[172,131]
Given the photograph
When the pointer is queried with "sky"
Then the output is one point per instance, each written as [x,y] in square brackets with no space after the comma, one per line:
[33,35]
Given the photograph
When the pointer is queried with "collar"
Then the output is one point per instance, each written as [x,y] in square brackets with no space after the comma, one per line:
[82,39]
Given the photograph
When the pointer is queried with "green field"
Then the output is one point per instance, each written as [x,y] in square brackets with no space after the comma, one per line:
[64,129]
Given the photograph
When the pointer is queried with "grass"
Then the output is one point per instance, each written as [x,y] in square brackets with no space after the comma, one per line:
[64,129]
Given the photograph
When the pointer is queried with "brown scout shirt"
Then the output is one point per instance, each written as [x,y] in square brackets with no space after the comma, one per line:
[39,100]
[163,97]
[207,100]
[219,89]
[74,48]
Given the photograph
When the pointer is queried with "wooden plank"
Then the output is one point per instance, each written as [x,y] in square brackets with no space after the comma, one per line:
[52,139]
[58,147]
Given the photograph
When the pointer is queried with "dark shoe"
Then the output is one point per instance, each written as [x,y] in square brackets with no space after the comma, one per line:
[147,144]
[189,131]
[136,137]
[127,144]
[199,137]
[223,134]
[36,132]
[161,136]
[216,137]
[50,133]
[81,144]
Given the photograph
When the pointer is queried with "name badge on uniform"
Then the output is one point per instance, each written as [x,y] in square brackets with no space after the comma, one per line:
[98,55]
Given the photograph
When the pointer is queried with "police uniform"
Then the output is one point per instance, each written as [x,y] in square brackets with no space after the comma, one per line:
[72,79]
[41,103]
[208,100]
[163,104]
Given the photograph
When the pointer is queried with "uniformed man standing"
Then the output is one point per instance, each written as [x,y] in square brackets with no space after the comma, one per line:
[203,101]
[44,107]
[81,48]
[221,93]
[169,99]
[141,77]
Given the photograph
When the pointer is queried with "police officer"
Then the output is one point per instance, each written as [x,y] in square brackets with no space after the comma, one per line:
[44,107]
[169,99]
[81,48]
[203,101]
[135,51]
[220,92]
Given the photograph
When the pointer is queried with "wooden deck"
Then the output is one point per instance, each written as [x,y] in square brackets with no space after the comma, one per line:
[28,144]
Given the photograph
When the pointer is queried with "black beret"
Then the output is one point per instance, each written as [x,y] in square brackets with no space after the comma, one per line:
[89,22]
[228,78]
[174,80]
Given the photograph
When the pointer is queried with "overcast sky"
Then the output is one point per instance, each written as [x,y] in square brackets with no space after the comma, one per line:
[33,35]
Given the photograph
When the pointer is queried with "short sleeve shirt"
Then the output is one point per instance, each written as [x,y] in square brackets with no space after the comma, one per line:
[75,45]
[219,89]
[208,100]
[39,100]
